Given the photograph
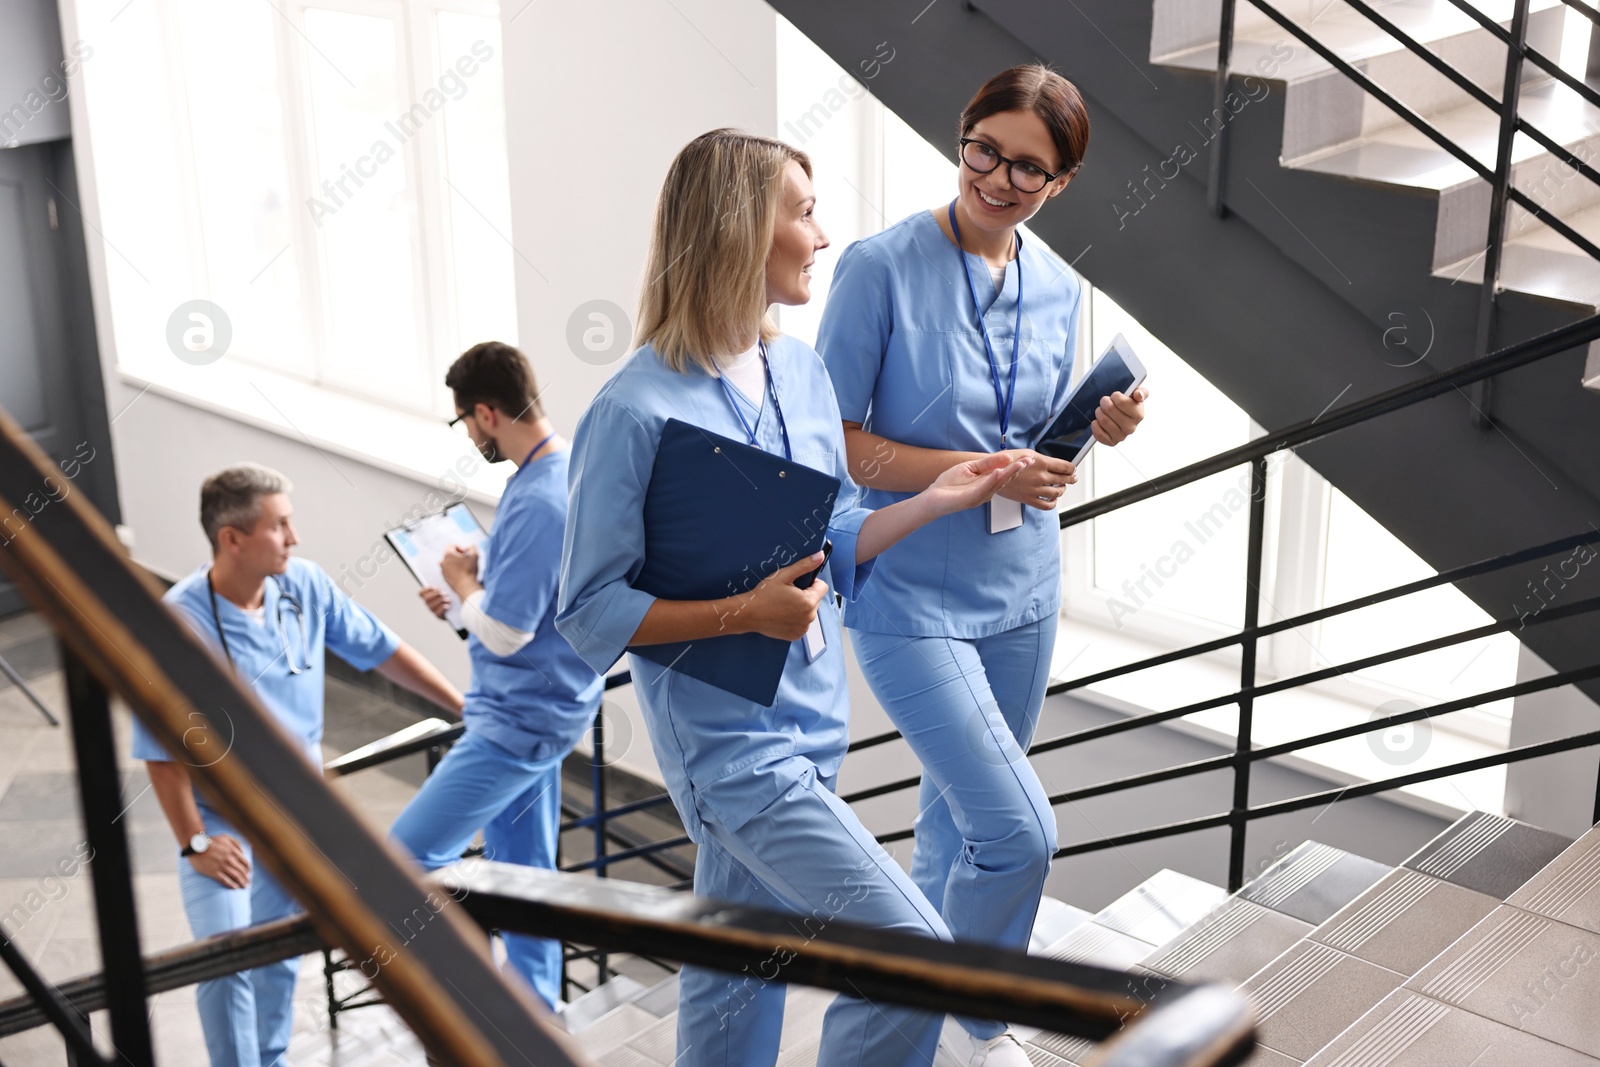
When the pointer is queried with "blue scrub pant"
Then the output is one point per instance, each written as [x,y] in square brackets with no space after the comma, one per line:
[806,852]
[246,1017]
[517,802]
[985,830]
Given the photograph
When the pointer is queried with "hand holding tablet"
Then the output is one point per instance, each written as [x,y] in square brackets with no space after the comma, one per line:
[1118,370]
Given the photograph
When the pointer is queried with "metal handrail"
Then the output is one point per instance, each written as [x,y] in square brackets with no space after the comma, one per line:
[829,952]
[1138,722]
[1506,359]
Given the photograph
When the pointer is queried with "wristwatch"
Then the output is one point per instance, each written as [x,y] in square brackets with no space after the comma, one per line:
[197,844]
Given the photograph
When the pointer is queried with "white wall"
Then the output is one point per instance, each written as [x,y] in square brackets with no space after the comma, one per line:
[1555,792]
[580,231]
[32,73]
[600,97]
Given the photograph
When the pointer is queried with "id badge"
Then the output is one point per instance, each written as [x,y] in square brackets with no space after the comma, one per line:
[1004,514]
[816,643]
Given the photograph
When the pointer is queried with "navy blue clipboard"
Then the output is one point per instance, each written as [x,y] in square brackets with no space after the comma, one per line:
[719,516]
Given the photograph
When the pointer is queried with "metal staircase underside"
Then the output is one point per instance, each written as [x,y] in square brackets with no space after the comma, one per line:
[1291,304]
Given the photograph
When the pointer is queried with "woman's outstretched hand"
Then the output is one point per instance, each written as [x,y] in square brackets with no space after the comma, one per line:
[966,485]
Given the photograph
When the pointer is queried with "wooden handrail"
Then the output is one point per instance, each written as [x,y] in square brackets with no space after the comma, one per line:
[442,979]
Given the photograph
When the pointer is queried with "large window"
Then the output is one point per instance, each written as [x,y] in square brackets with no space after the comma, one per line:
[331,175]
[1172,569]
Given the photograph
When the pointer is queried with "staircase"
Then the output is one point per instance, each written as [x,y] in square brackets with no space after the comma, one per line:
[1351,259]
[1479,949]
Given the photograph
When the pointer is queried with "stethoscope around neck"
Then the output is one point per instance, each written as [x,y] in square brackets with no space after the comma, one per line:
[284,597]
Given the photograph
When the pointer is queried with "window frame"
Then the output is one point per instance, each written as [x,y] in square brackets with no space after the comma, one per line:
[1293,567]
[426,169]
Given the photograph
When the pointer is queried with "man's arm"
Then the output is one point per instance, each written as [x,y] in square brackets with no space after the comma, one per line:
[224,861]
[408,669]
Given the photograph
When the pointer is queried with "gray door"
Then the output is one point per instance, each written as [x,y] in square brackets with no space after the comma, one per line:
[49,367]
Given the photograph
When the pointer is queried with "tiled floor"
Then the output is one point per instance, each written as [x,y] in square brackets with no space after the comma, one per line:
[46,900]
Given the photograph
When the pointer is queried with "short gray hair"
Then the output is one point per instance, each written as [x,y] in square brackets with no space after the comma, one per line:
[232,497]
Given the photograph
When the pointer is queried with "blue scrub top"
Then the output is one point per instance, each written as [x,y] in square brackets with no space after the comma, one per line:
[701,734]
[537,702]
[332,621]
[902,345]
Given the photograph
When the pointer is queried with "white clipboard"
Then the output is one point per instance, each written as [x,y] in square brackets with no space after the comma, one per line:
[422,544]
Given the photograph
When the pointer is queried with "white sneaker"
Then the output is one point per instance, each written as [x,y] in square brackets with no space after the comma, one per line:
[957,1048]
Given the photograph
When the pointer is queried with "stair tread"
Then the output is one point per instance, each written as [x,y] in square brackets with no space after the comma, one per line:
[1406,1029]
[1217,950]
[1308,995]
[1350,35]
[1404,920]
[1568,887]
[1054,921]
[1314,881]
[589,1008]
[1100,945]
[1401,154]
[1525,971]
[1489,854]
[1161,907]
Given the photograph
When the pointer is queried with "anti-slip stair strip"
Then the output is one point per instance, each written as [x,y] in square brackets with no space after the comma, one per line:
[1458,853]
[1068,1048]
[1128,913]
[1563,890]
[1384,1043]
[1084,946]
[1480,962]
[1232,920]
[1281,988]
[1296,876]
[1359,928]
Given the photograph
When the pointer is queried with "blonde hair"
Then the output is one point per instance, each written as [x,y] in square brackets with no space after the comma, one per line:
[706,274]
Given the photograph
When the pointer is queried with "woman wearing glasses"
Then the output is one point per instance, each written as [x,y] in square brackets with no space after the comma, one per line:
[734,233]
[949,336]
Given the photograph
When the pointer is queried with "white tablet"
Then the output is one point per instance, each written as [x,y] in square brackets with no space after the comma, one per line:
[1117,370]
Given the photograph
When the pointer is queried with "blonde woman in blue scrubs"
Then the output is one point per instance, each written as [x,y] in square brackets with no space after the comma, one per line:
[949,337]
[734,234]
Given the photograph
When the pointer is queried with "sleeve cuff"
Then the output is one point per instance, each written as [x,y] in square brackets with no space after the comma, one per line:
[848,575]
[599,629]
[498,637]
[380,652]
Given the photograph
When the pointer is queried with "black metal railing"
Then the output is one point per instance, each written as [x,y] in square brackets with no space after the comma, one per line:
[1245,754]
[118,636]
[1499,173]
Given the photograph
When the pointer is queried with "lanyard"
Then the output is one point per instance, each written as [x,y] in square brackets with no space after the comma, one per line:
[777,408]
[1002,399]
[531,452]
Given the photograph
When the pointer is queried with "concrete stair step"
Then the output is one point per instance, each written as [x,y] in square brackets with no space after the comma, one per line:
[1406,1029]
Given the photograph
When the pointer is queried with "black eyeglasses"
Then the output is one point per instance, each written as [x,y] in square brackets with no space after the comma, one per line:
[1024,177]
[456,421]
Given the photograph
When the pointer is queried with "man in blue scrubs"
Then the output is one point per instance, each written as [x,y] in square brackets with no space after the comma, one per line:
[532,697]
[272,618]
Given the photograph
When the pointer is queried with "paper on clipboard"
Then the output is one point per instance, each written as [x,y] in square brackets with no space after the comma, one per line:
[422,544]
